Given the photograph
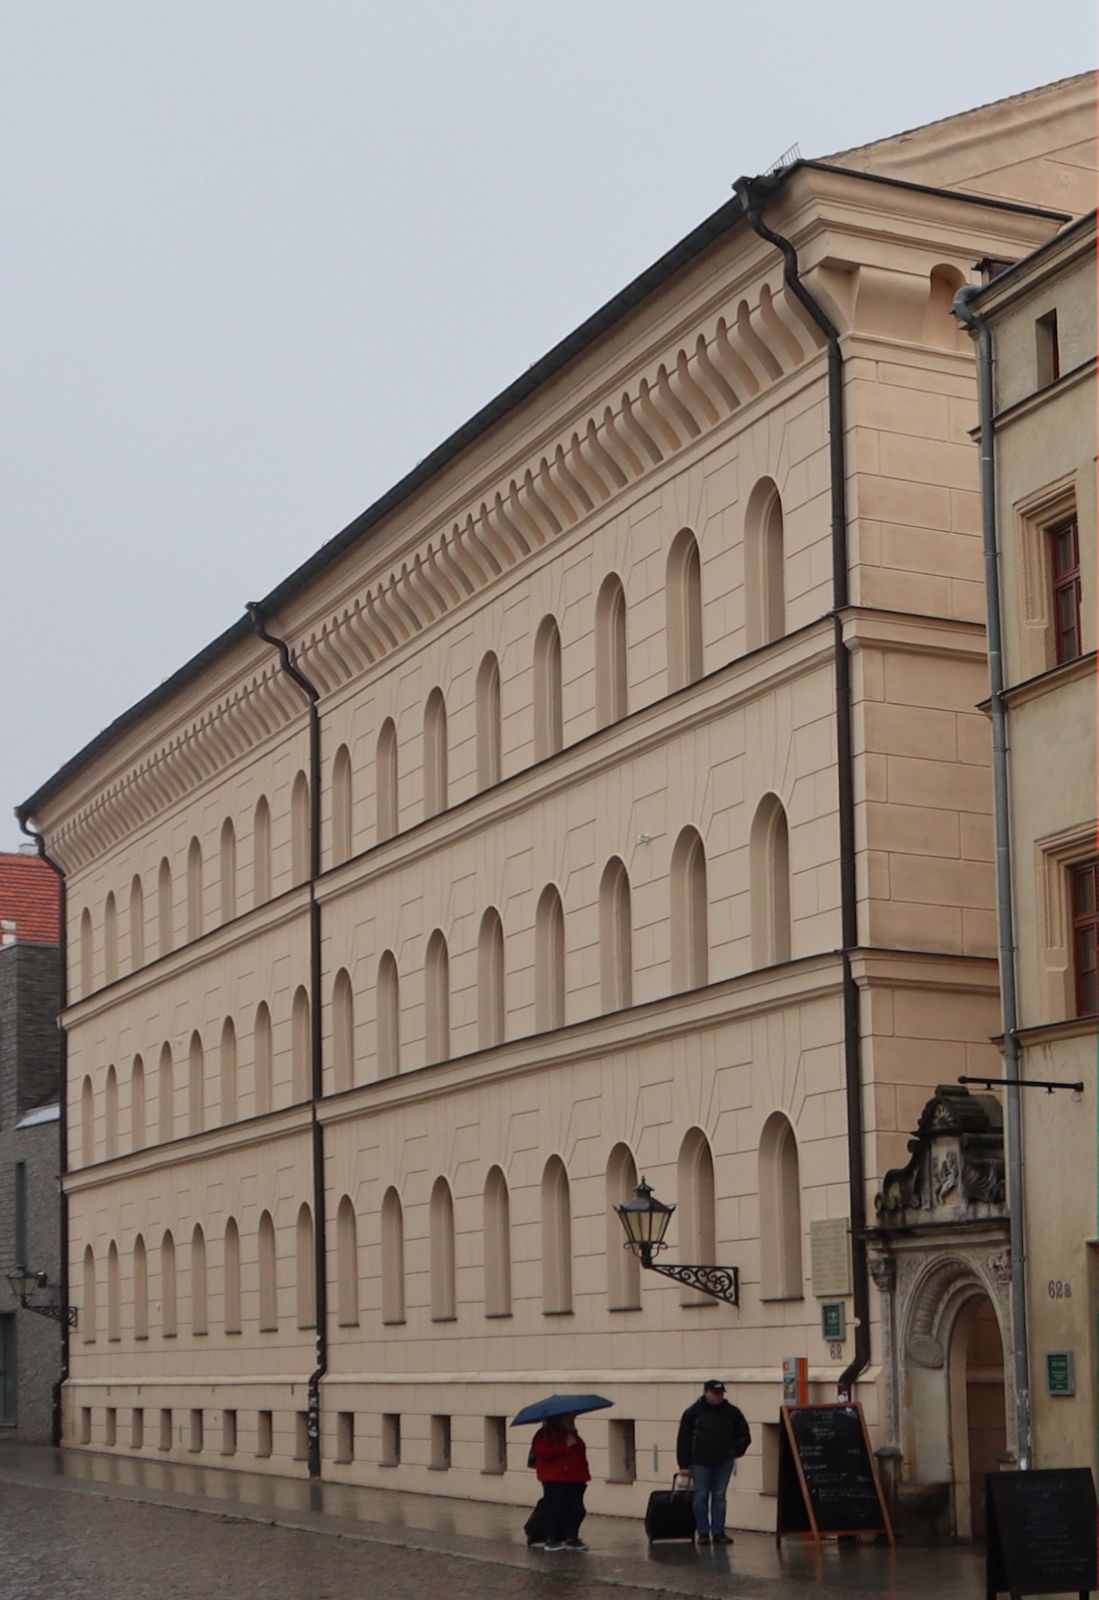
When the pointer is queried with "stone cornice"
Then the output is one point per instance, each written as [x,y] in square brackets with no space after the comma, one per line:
[728,359]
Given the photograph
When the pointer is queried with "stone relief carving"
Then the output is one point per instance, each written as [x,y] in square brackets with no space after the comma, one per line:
[956,1161]
[1000,1265]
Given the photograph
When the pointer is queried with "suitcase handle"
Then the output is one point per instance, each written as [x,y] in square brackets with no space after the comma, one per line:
[676,1476]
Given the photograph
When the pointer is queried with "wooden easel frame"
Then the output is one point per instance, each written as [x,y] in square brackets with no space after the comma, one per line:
[788,1439]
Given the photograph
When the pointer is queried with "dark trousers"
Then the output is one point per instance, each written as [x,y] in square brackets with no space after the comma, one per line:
[562,1511]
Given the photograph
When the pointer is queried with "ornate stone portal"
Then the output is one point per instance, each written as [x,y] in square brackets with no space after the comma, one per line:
[940,1243]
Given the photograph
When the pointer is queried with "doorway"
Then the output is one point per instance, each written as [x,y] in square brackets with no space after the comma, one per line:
[7,1369]
[978,1414]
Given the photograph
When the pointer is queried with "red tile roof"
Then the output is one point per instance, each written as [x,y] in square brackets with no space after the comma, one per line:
[30,897]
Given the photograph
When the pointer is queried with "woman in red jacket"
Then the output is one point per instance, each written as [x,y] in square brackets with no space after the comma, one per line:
[561,1463]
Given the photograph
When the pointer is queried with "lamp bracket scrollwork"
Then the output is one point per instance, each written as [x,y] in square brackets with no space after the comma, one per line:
[723,1283]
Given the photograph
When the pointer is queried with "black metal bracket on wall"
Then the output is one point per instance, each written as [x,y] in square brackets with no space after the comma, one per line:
[66,1315]
[722,1283]
[1048,1084]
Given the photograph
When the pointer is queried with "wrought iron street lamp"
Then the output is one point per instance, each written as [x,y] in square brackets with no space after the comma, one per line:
[645,1220]
[23,1284]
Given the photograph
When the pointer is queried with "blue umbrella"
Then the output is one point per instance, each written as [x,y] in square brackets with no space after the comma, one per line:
[560,1405]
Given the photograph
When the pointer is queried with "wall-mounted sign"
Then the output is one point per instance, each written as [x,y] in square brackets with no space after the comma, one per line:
[1061,1372]
[830,1253]
[833,1320]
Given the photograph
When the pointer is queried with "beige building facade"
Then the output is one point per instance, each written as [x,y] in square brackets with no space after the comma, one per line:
[1041,320]
[618,803]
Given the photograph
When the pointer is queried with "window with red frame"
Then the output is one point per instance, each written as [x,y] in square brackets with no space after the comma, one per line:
[1064,548]
[1085,937]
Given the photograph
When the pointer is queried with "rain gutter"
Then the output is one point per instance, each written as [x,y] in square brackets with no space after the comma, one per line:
[754,194]
[1005,908]
[257,618]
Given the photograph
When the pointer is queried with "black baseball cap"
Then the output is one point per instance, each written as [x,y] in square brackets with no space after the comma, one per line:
[715,1385]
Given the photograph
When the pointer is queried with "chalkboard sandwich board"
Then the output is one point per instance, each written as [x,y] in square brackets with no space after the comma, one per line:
[827,1480]
[1041,1532]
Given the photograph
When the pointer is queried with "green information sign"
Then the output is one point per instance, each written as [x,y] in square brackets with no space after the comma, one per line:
[833,1321]
[1060,1372]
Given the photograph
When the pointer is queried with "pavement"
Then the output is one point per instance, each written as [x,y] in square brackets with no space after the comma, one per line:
[82,1526]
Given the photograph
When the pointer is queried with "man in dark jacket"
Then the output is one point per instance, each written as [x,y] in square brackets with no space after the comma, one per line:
[712,1435]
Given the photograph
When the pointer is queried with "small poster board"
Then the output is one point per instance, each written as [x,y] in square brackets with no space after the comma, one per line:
[1041,1533]
[827,1479]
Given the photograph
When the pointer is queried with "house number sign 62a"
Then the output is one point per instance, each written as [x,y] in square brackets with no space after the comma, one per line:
[1059,1289]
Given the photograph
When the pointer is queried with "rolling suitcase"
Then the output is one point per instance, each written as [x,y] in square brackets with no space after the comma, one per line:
[670,1513]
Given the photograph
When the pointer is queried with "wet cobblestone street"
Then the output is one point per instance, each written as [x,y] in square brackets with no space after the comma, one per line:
[77,1526]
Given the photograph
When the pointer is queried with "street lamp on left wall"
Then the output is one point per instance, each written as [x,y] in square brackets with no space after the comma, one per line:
[23,1284]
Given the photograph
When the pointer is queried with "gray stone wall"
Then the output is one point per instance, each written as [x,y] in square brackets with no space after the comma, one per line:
[30,1057]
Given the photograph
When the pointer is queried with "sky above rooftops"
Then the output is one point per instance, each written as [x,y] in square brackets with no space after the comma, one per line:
[263,257]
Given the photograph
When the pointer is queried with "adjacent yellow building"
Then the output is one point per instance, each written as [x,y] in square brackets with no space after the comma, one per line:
[609,799]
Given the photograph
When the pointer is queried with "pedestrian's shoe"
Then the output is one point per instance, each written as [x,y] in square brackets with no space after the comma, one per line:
[720,1538]
[551,1548]
[702,1538]
[576,1544]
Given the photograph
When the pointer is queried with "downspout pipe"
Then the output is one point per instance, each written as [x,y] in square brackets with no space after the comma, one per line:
[320,1273]
[1005,905]
[63,1123]
[754,194]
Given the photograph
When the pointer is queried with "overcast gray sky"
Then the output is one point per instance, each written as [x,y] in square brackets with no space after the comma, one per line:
[261,256]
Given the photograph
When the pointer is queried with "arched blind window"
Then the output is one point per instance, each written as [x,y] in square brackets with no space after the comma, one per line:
[268,1279]
[137,1105]
[227,1062]
[341,806]
[769,873]
[169,1315]
[490,980]
[435,754]
[165,915]
[343,1032]
[141,1290]
[194,889]
[305,1279]
[347,1265]
[623,1269]
[165,1096]
[232,1277]
[611,685]
[549,961]
[549,734]
[615,937]
[765,566]
[497,1238]
[200,1324]
[114,1294]
[87,1309]
[110,940]
[137,924]
[110,1114]
[299,828]
[690,913]
[443,1288]
[196,1085]
[264,1066]
[392,1258]
[683,593]
[697,1206]
[86,952]
[386,780]
[556,1238]
[437,998]
[389,1016]
[87,1123]
[488,722]
[261,852]
[228,875]
[300,1045]
[779,1211]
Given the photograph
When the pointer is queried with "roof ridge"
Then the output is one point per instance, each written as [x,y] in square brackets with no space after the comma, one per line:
[958,116]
